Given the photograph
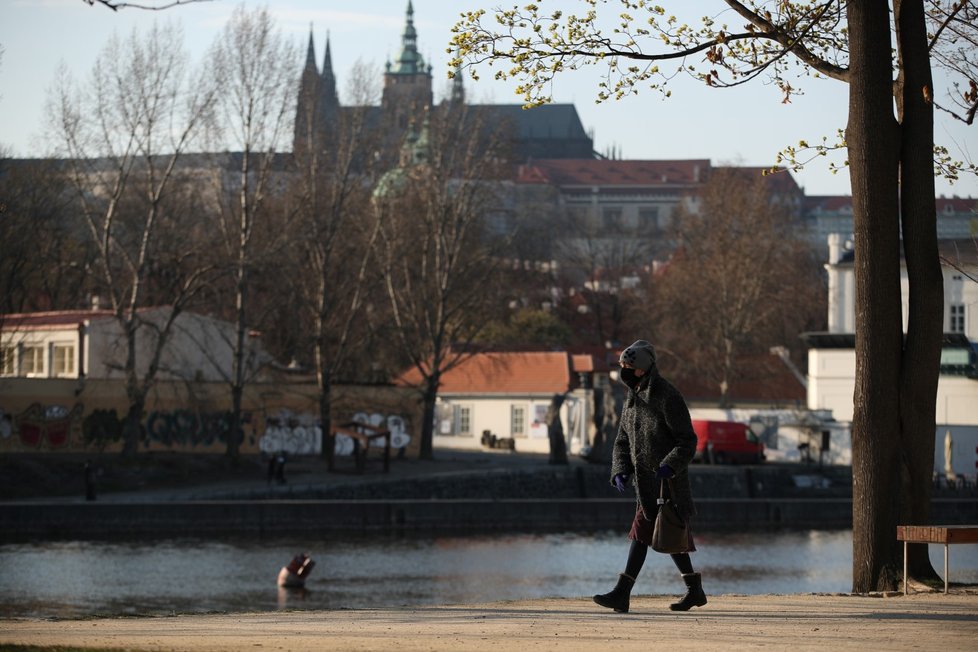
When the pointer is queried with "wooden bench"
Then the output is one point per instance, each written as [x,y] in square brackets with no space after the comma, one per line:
[945,534]
[363,435]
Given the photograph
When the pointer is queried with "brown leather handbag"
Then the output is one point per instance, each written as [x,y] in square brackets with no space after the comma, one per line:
[671,532]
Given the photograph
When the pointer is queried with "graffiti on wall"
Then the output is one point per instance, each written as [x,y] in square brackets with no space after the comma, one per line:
[296,434]
[301,433]
[190,428]
[43,426]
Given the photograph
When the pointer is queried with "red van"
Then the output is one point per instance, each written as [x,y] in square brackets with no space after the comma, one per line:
[726,442]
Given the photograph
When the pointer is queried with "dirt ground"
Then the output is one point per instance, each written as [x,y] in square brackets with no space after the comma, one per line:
[921,621]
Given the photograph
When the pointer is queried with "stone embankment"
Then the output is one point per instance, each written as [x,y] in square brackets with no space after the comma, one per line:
[533,496]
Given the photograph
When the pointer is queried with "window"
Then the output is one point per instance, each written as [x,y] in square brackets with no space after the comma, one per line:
[517,421]
[463,420]
[64,360]
[957,318]
[648,219]
[611,218]
[7,361]
[32,361]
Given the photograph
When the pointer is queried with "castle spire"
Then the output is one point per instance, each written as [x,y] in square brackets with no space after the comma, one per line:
[410,61]
[330,100]
[327,60]
[311,52]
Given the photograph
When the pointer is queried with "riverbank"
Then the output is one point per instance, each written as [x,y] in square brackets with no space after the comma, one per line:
[924,620]
[165,496]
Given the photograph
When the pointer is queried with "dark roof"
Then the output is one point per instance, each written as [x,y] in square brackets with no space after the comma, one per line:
[546,122]
[594,172]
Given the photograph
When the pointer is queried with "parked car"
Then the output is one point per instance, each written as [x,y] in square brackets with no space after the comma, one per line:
[726,442]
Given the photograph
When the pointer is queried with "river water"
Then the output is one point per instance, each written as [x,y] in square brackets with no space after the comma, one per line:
[76,579]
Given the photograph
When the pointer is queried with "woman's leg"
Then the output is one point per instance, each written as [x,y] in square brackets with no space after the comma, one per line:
[683,562]
[636,559]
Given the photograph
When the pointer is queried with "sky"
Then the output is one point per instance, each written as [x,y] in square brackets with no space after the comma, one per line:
[747,125]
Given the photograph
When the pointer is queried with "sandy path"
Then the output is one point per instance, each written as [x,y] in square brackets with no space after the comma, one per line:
[924,621]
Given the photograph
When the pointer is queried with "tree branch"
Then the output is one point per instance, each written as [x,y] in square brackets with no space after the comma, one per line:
[114,5]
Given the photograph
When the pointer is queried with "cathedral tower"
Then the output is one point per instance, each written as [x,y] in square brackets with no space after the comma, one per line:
[407,94]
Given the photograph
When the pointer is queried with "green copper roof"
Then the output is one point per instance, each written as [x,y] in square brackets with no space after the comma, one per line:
[410,62]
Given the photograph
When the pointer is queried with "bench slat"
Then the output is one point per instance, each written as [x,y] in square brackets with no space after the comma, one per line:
[938,533]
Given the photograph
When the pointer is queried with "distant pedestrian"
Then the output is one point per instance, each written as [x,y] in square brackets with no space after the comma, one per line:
[91,477]
[655,442]
[280,467]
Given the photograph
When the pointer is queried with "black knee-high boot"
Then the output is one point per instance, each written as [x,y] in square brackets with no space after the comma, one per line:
[695,597]
[619,597]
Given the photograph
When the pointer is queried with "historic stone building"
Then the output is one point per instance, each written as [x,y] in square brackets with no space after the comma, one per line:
[548,132]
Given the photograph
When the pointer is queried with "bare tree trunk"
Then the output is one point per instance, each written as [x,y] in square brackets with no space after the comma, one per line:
[873,138]
[132,426]
[429,396]
[922,352]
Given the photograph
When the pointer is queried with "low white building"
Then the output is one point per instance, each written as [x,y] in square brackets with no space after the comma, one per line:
[832,355]
[91,344]
[508,394]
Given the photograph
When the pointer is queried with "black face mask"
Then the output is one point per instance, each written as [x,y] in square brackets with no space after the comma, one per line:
[629,377]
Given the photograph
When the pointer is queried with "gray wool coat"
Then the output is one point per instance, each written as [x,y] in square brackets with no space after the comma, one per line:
[655,429]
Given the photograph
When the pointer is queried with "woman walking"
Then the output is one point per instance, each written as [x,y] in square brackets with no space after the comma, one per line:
[655,442]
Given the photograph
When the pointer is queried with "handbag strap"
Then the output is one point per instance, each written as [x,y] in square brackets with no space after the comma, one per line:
[661,500]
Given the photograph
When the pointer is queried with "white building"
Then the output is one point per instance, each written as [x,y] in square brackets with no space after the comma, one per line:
[91,344]
[832,357]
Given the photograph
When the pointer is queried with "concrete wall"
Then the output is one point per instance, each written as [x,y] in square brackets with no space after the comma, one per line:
[38,415]
[33,521]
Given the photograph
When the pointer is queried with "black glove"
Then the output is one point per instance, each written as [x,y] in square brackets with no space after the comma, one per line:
[664,472]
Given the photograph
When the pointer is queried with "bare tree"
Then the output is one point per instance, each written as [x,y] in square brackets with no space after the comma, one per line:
[434,247]
[123,137]
[254,70]
[891,167]
[742,266]
[334,170]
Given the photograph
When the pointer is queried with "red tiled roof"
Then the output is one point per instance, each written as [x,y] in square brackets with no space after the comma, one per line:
[769,381]
[503,373]
[595,172]
[47,320]
[582,363]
